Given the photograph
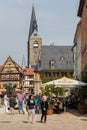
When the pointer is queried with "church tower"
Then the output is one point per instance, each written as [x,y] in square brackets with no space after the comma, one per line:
[34,43]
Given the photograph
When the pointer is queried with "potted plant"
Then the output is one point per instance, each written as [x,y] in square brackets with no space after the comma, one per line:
[82,108]
[51,107]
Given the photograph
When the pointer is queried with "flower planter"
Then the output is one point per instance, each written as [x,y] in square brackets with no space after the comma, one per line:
[82,110]
[49,111]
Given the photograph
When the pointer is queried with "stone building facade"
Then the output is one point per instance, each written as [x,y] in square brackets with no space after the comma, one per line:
[82,13]
[49,61]
[77,52]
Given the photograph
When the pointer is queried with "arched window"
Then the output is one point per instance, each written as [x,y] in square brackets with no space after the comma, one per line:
[35,44]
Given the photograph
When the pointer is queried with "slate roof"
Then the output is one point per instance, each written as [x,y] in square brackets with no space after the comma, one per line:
[33,22]
[80,9]
[35,35]
[54,53]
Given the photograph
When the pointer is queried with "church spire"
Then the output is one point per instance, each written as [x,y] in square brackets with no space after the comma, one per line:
[32,56]
[23,62]
[33,22]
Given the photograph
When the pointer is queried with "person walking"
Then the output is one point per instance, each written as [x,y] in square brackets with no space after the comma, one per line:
[37,104]
[12,104]
[6,103]
[31,109]
[26,96]
[20,98]
[44,107]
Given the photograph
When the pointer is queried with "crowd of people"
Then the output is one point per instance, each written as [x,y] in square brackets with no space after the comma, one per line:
[38,104]
[33,105]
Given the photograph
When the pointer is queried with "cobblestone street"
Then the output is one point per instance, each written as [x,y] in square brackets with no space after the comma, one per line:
[66,121]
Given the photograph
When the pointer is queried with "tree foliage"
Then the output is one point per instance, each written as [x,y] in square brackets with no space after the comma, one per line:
[51,90]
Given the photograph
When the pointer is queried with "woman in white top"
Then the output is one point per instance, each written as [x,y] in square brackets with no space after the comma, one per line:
[6,103]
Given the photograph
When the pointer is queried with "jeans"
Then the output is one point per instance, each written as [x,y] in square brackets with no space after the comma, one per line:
[20,106]
[37,109]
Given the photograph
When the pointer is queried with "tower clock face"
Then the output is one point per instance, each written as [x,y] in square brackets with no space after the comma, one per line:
[35,44]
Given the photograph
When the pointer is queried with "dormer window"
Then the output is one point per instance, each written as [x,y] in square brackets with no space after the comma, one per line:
[62,58]
[68,63]
[52,64]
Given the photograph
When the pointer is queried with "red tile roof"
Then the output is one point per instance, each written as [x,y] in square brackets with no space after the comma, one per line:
[28,71]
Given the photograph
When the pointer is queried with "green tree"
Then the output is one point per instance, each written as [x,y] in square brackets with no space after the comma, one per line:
[51,90]
[10,89]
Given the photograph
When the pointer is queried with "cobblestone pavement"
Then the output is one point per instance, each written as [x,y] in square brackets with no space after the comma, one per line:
[71,120]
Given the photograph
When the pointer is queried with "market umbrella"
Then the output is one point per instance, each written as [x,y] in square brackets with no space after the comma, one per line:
[65,82]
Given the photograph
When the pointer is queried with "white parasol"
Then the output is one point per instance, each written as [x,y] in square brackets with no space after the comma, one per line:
[65,82]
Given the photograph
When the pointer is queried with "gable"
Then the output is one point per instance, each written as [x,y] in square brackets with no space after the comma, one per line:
[10,66]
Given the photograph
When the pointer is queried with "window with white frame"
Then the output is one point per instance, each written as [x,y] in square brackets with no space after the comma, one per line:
[52,64]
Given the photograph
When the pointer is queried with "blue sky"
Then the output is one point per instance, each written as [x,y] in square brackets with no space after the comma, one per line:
[57,21]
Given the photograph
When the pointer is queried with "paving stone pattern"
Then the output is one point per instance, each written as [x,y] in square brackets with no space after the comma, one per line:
[70,120]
